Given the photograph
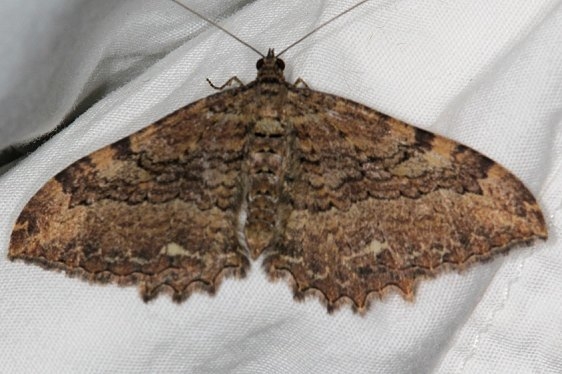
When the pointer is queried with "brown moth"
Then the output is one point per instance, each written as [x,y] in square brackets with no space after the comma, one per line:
[345,201]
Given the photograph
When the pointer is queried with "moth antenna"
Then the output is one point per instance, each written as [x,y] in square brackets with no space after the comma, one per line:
[322,25]
[218,27]
[254,49]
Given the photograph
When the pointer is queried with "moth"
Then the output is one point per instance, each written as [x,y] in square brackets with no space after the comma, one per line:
[342,200]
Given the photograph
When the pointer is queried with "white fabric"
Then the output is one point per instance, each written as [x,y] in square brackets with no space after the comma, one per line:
[485,73]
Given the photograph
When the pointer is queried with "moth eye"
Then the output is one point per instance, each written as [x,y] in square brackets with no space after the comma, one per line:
[280,64]
[259,64]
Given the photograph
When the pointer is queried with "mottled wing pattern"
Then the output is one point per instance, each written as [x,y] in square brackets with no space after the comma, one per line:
[156,208]
[347,201]
[379,203]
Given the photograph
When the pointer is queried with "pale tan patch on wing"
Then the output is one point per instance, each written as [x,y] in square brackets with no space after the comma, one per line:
[174,249]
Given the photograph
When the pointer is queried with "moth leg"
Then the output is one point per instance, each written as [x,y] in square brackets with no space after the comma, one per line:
[301,83]
[228,83]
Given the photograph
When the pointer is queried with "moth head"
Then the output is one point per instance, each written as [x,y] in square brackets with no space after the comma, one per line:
[270,67]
